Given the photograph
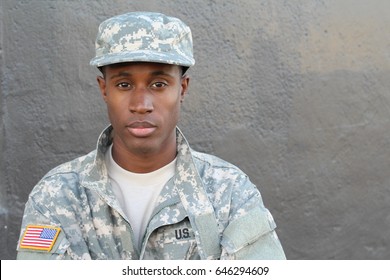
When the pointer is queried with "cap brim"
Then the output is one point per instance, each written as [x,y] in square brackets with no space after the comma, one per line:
[142,56]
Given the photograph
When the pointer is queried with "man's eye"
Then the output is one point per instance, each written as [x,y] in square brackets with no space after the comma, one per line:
[123,85]
[159,85]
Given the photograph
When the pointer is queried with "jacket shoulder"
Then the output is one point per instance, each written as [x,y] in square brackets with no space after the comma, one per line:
[206,163]
[66,174]
[76,165]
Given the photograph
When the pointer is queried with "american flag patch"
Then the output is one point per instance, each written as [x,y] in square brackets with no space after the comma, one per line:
[39,237]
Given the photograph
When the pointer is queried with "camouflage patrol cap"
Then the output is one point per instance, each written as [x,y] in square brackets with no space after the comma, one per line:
[143,37]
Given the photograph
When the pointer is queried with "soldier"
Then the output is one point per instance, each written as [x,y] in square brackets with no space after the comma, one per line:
[144,193]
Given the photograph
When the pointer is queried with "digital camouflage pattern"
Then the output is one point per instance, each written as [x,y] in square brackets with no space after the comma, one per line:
[208,210]
[143,36]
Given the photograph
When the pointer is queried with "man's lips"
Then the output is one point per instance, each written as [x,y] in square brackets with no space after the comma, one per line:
[141,128]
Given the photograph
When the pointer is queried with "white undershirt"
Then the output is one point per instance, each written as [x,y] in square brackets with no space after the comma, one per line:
[137,192]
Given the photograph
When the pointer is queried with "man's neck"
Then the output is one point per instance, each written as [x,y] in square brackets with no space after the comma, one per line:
[143,163]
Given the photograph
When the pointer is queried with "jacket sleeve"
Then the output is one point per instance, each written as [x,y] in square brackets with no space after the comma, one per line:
[250,233]
[34,215]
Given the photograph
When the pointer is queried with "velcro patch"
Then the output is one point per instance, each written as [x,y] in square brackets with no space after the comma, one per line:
[39,237]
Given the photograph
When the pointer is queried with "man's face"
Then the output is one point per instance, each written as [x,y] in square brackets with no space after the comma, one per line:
[143,102]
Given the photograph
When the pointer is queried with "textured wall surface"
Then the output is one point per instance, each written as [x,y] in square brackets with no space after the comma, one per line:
[296,93]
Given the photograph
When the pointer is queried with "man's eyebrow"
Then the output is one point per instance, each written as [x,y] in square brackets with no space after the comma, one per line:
[121,75]
[161,73]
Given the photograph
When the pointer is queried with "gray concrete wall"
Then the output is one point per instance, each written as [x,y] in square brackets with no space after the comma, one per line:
[294,92]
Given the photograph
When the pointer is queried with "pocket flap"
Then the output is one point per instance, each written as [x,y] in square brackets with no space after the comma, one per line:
[247,229]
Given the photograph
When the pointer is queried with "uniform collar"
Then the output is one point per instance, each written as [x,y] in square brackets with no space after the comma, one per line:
[95,176]
[105,140]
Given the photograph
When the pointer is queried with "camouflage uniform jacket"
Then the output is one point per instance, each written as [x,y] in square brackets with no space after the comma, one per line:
[208,210]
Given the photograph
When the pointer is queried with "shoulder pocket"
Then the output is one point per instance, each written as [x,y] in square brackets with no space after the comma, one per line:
[247,229]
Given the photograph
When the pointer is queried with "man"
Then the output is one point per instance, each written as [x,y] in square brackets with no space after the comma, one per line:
[144,193]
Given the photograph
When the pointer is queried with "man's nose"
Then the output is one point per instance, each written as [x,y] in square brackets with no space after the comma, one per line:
[140,101]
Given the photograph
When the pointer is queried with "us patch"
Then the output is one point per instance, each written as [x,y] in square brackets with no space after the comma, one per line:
[39,237]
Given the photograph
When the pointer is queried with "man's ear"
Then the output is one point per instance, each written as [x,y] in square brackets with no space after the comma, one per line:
[102,87]
[185,80]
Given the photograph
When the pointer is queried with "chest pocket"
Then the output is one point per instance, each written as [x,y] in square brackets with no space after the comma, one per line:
[174,242]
